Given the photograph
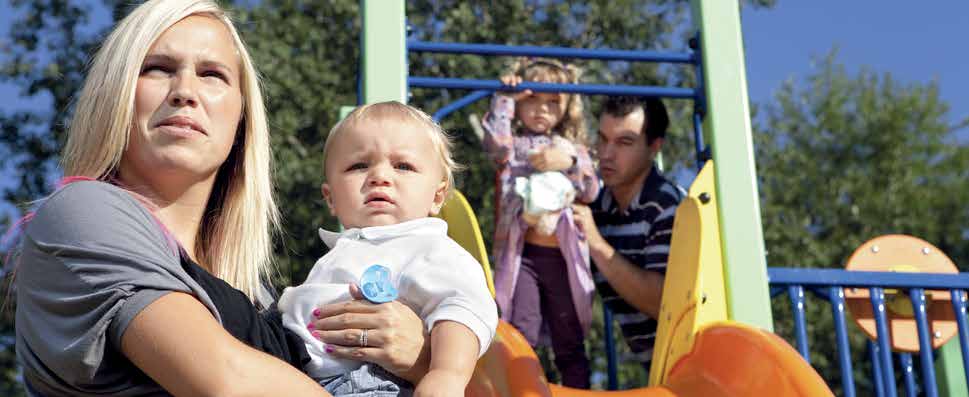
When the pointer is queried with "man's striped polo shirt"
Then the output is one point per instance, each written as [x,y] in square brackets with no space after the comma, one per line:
[642,234]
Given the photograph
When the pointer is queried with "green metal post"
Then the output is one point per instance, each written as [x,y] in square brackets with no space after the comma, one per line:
[384,58]
[949,374]
[728,123]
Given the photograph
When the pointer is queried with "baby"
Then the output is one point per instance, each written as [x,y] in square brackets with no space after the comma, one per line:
[388,169]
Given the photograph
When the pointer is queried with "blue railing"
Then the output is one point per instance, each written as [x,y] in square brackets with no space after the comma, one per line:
[550,52]
[588,89]
[829,285]
[484,88]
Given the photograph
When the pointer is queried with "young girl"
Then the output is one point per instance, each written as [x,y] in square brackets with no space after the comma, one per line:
[542,281]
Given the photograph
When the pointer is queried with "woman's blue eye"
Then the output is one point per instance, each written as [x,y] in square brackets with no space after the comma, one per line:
[154,68]
[216,74]
[406,167]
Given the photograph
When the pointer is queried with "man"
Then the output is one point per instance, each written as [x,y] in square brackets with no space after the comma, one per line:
[630,225]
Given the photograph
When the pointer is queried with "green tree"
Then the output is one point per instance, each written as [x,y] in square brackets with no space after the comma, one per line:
[843,158]
[44,53]
[307,52]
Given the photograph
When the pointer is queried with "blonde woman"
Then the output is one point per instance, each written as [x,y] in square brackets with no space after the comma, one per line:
[138,275]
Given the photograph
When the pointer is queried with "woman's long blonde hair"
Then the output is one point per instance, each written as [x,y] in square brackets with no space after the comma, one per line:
[235,239]
[544,70]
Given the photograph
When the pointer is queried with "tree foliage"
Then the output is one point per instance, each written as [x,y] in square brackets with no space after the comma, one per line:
[843,158]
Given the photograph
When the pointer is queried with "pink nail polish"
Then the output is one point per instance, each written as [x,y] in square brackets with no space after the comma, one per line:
[316,334]
[316,313]
[328,349]
[310,326]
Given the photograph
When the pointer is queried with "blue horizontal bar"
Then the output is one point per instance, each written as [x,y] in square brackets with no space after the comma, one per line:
[460,103]
[550,52]
[820,292]
[588,89]
[779,276]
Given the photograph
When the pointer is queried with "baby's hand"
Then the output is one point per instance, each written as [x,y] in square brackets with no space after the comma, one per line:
[512,80]
[439,383]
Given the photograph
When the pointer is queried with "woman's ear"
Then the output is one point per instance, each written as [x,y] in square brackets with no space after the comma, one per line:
[327,196]
[440,196]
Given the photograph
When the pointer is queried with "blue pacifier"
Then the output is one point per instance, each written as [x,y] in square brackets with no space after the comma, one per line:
[375,284]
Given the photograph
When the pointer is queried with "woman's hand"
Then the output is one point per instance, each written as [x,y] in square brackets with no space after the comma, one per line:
[395,337]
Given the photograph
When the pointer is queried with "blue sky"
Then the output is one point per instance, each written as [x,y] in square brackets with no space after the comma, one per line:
[915,41]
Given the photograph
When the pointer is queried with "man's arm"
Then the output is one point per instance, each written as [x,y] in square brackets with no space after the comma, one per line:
[642,288]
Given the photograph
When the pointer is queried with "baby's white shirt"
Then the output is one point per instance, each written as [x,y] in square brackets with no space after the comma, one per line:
[434,276]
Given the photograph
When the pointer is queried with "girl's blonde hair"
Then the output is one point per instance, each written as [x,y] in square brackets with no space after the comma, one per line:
[235,239]
[441,141]
[544,70]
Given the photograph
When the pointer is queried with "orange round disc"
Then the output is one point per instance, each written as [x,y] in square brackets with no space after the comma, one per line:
[901,253]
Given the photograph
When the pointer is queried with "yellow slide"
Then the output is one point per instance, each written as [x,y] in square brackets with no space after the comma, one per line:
[697,353]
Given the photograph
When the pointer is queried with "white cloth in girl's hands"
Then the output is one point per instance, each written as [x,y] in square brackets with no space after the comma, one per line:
[544,195]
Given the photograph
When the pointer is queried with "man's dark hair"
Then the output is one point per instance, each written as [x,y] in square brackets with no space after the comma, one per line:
[657,120]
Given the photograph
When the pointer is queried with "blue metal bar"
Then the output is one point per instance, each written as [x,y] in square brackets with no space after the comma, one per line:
[820,292]
[831,277]
[796,293]
[550,52]
[460,103]
[611,360]
[908,373]
[876,369]
[884,344]
[774,291]
[925,341]
[698,138]
[588,89]
[959,306]
[837,298]
[699,104]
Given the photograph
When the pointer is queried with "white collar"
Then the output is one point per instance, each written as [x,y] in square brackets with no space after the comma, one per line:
[428,225]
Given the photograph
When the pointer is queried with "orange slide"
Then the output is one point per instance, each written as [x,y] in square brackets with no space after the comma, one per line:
[728,359]
[697,352]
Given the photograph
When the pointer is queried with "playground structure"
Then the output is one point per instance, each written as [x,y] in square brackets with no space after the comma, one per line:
[715,324]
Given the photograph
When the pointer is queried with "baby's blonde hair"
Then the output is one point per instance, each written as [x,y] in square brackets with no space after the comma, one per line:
[544,70]
[441,141]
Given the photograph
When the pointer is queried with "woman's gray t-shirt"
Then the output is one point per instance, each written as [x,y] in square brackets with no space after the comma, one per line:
[93,257]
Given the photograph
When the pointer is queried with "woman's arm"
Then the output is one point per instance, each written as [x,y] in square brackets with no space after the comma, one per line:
[177,342]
